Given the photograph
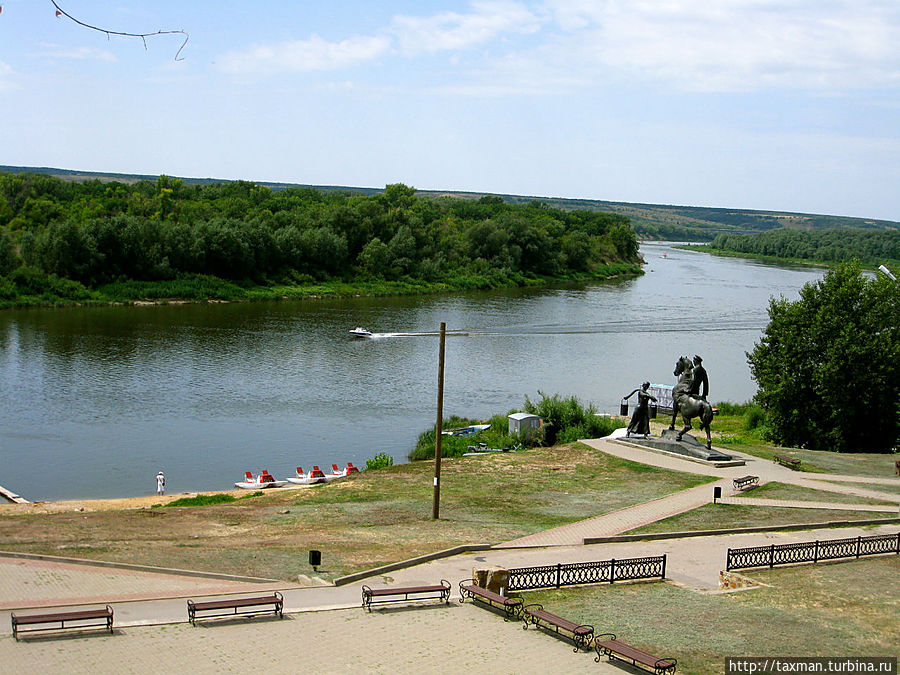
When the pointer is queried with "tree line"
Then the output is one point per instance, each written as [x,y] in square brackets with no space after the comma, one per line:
[866,245]
[96,233]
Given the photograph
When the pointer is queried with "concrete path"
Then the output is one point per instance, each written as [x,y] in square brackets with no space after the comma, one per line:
[796,504]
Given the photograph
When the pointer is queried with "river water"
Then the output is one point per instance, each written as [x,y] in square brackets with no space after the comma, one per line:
[95,401]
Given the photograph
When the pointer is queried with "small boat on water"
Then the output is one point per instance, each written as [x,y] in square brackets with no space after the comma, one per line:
[313,477]
[263,480]
[359,331]
[466,431]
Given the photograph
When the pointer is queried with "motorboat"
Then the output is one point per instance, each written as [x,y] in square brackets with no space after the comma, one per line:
[359,331]
[313,477]
[263,480]
[466,431]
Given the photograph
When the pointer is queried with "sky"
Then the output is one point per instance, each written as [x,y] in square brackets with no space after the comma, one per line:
[789,105]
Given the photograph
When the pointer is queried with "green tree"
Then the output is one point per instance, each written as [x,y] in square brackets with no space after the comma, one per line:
[828,365]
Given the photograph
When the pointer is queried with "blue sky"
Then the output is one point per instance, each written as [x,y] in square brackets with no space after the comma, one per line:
[787,105]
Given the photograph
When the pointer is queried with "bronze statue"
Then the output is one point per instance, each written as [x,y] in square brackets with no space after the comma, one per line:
[689,404]
[640,421]
[700,379]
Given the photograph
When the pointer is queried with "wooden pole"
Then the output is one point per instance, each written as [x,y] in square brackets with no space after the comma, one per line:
[439,427]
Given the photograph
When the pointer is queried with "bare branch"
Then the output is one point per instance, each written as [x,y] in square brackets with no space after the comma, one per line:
[143,36]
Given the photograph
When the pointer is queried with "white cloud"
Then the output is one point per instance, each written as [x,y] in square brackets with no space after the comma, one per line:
[455,31]
[734,44]
[306,55]
[6,78]
[81,54]
[445,31]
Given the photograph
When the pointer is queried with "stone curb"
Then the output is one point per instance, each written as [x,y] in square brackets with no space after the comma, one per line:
[411,562]
[140,568]
[737,530]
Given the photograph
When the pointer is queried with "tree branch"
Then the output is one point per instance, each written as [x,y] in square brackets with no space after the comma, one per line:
[143,36]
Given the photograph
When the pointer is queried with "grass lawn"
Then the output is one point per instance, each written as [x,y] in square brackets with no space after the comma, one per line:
[841,609]
[889,488]
[776,490]
[719,516]
[366,520]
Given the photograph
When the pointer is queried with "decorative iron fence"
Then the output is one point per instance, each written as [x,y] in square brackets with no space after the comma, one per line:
[812,551]
[601,571]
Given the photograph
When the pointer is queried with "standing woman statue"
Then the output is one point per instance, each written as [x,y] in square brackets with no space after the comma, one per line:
[640,421]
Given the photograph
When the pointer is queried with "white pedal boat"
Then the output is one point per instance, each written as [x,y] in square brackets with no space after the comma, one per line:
[337,472]
[313,477]
[262,481]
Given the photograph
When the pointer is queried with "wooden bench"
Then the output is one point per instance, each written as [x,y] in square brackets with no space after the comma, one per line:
[238,607]
[744,481]
[536,614]
[510,604]
[75,619]
[409,593]
[608,645]
[788,461]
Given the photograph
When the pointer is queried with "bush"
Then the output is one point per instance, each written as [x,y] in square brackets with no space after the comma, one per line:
[454,446]
[754,417]
[380,461]
[567,420]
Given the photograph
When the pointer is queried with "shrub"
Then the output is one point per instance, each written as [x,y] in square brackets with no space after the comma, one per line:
[203,500]
[380,461]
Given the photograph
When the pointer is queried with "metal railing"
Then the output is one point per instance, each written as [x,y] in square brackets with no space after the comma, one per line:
[812,551]
[601,571]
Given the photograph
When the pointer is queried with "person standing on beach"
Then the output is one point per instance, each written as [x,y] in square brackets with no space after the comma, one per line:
[160,483]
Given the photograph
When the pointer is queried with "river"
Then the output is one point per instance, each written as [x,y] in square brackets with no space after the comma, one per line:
[95,401]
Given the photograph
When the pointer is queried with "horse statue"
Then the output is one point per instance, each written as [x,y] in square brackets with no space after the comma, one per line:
[690,406]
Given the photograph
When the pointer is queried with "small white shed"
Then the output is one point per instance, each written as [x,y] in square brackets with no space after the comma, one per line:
[521,422]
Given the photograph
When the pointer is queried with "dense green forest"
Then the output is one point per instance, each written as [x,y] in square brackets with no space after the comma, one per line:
[650,221]
[93,241]
[870,247]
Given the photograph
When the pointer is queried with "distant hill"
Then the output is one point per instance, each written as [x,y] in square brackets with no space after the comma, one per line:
[650,221]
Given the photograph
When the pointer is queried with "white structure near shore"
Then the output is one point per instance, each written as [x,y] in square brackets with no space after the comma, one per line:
[522,422]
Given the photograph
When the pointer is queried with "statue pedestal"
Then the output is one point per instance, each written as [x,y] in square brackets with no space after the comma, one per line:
[687,446]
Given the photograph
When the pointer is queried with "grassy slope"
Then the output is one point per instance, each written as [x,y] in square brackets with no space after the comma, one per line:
[367,520]
[850,608]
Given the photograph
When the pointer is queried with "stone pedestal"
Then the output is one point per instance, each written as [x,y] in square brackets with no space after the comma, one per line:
[493,578]
[688,446]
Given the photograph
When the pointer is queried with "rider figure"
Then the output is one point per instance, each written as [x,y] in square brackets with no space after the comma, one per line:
[699,380]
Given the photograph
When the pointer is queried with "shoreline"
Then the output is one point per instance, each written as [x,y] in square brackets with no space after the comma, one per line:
[106,504]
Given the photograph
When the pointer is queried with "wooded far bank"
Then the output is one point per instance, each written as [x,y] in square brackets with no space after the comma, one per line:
[667,222]
[65,242]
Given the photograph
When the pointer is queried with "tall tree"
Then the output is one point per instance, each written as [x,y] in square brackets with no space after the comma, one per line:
[828,365]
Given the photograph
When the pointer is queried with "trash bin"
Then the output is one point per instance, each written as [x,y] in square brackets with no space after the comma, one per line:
[315,558]
[652,409]
[623,408]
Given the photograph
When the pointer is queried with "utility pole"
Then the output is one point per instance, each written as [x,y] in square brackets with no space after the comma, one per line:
[438,429]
